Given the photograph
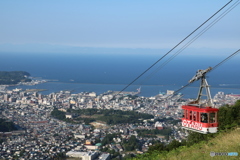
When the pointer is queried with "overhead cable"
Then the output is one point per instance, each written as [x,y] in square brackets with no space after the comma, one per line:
[223,61]
[192,40]
[174,47]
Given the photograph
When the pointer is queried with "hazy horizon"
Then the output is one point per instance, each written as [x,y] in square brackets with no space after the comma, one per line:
[70,26]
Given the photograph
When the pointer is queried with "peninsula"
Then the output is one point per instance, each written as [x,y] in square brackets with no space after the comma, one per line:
[13,77]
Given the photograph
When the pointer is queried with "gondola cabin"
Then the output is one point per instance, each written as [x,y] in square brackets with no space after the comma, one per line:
[200,119]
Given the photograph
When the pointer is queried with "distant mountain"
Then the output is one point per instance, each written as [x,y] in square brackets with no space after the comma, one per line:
[13,77]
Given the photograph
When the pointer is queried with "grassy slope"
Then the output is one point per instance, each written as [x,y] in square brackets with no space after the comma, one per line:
[224,142]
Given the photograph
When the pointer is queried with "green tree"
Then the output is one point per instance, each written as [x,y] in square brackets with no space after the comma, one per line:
[131,144]
[157,147]
[229,116]
[6,126]
[173,145]
[58,114]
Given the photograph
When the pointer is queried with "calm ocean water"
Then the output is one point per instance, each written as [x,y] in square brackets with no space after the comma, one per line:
[103,72]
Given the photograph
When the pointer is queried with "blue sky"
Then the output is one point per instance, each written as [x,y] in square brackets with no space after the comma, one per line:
[153,24]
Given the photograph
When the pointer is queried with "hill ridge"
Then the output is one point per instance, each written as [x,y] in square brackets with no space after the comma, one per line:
[225,141]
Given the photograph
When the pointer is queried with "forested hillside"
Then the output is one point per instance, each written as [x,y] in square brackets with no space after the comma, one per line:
[199,146]
[14,77]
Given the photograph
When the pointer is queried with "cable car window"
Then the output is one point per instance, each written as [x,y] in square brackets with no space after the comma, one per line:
[204,118]
[190,115]
[212,118]
[194,116]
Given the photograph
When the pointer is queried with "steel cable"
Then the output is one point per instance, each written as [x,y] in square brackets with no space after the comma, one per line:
[223,61]
[191,41]
[174,47]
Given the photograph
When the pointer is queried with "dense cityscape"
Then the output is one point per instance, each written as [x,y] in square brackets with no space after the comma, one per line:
[86,59]
[41,135]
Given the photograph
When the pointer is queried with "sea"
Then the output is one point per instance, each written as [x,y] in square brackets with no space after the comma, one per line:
[101,72]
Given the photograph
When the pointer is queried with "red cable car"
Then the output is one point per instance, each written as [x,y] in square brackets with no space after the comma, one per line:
[198,117]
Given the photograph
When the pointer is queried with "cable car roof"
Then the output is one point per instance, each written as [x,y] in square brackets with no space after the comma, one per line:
[199,108]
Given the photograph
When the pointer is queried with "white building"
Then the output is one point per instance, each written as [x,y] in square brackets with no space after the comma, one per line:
[69,115]
[81,136]
[104,156]
[92,94]
[82,155]
[169,92]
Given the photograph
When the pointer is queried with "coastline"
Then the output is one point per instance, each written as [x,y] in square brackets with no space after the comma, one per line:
[146,90]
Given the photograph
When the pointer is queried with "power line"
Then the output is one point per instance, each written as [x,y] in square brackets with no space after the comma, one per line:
[175,47]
